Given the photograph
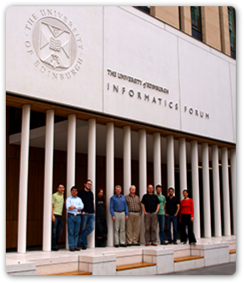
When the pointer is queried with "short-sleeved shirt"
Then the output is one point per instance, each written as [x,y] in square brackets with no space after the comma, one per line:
[58,202]
[171,206]
[150,202]
[162,201]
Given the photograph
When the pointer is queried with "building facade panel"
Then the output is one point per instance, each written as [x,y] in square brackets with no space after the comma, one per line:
[61,52]
[205,93]
[140,78]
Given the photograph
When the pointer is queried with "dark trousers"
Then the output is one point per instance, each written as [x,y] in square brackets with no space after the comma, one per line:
[186,222]
[101,231]
[57,230]
[169,219]
[101,226]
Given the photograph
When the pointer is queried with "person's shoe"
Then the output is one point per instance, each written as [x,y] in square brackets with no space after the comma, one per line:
[123,245]
[147,244]
[77,249]
[72,250]
[116,246]
[184,243]
[154,244]
[193,243]
[84,247]
[164,243]
[175,243]
[55,249]
[170,243]
[129,245]
[136,244]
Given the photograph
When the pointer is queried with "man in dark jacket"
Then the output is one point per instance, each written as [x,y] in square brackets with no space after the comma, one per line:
[87,215]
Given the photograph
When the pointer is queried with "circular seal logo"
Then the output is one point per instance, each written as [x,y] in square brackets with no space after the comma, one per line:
[54,44]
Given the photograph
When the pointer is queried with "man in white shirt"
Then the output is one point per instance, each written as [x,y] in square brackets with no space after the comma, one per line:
[74,206]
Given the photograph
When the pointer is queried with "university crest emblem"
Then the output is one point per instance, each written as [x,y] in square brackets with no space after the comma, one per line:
[54,44]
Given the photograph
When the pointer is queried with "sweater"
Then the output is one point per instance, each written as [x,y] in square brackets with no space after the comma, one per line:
[187,207]
[87,198]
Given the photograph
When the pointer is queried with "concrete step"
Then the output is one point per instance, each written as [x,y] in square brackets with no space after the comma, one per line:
[77,272]
[187,258]
[133,265]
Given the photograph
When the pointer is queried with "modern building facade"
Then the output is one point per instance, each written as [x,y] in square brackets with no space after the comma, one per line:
[120,96]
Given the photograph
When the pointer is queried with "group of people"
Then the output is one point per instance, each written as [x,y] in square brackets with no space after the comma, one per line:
[126,212]
[80,216]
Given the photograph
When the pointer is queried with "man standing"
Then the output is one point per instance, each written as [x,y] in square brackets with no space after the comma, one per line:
[87,215]
[74,206]
[172,210]
[134,221]
[150,206]
[161,214]
[119,213]
[57,211]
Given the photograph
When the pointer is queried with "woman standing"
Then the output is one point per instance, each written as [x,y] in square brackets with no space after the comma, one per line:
[101,222]
[186,219]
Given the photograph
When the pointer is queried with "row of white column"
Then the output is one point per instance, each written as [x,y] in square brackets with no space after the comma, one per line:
[71,161]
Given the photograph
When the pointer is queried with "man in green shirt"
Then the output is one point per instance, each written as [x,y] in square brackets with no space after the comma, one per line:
[161,214]
[57,211]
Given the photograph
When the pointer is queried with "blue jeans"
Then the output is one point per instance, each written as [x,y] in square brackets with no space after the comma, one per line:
[170,219]
[57,230]
[87,226]
[73,230]
[161,221]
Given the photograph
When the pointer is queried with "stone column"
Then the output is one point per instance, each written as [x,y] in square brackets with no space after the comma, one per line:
[109,179]
[226,191]
[48,181]
[91,166]
[216,191]
[71,157]
[170,162]
[195,188]
[206,190]
[127,159]
[233,185]
[157,159]
[23,178]
[182,162]
[142,173]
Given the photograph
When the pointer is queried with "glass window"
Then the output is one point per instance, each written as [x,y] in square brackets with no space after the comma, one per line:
[145,9]
[232,29]
[196,22]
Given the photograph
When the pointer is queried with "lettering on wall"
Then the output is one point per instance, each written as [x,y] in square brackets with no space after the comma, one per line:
[54,44]
[138,91]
